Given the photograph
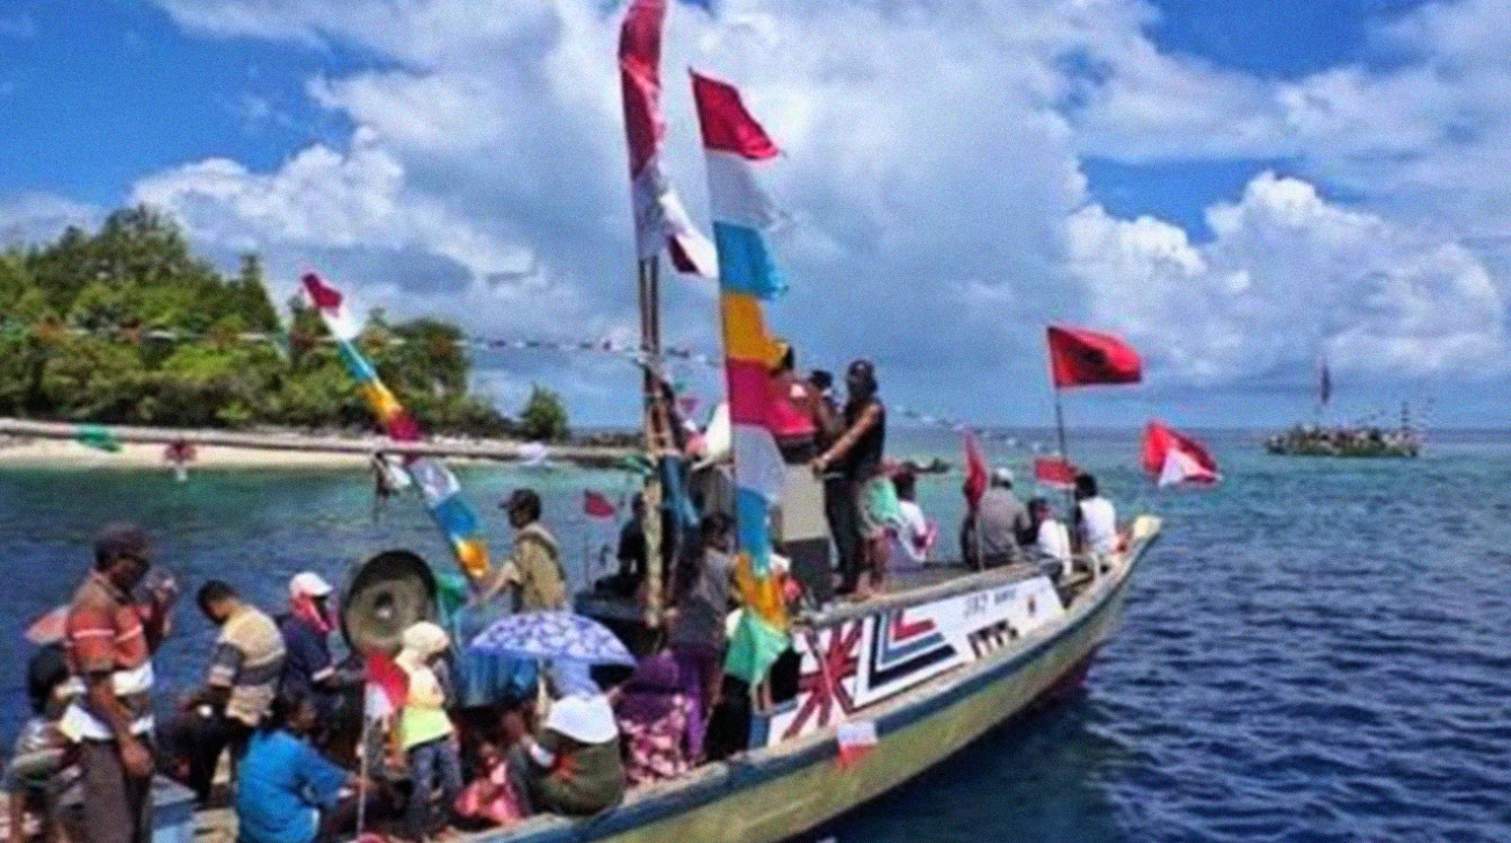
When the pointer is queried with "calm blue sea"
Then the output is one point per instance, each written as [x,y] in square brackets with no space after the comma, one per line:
[1316,650]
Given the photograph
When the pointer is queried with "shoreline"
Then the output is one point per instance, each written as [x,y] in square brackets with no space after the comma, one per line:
[24,453]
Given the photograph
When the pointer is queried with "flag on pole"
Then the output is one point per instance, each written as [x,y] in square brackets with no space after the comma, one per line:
[1174,458]
[595,505]
[437,485]
[660,217]
[734,142]
[1082,358]
[975,471]
[386,687]
[1054,472]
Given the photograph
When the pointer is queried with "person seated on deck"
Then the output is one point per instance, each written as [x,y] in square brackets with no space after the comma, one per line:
[43,775]
[243,679]
[1095,522]
[573,765]
[858,454]
[915,535]
[994,533]
[533,569]
[308,668]
[425,732]
[696,634]
[287,792]
[1051,539]
[652,712]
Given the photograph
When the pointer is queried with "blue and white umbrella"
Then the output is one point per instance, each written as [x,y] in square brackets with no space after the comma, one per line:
[553,635]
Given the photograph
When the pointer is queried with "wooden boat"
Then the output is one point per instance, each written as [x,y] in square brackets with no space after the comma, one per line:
[929,670]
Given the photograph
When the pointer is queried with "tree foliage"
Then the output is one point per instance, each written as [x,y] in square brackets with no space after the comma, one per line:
[77,323]
[544,418]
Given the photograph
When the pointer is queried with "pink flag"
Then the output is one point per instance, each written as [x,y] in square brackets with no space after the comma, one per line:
[659,214]
[595,505]
[975,471]
[1174,458]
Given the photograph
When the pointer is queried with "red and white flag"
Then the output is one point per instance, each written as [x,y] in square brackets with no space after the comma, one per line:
[1054,472]
[856,740]
[1174,458]
[387,687]
[332,306]
[660,217]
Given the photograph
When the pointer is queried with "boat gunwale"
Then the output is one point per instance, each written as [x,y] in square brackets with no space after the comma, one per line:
[720,780]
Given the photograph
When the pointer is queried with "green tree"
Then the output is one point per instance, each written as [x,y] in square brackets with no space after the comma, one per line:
[544,417]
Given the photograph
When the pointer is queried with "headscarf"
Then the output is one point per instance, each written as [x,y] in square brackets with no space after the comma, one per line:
[304,589]
[651,692]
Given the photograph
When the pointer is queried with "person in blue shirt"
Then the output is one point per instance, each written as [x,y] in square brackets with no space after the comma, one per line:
[283,785]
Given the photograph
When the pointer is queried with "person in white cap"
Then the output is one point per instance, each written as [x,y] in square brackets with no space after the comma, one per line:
[308,669]
[573,767]
[994,533]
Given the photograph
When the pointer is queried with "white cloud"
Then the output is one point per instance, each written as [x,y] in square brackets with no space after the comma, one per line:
[1286,278]
[38,217]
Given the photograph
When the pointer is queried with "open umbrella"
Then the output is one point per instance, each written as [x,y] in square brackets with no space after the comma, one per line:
[553,635]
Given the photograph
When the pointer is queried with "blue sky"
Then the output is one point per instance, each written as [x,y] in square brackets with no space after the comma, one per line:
[1238,188]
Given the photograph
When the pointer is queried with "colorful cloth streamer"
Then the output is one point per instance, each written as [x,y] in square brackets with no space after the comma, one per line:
[437,485]
[734,142]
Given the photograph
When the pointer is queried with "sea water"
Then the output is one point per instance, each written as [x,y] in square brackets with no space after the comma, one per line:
[1315,650]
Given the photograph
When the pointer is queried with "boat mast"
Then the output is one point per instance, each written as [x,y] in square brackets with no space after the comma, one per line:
[657,434]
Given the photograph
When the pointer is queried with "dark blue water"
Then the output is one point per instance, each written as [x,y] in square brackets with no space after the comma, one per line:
[1315,651]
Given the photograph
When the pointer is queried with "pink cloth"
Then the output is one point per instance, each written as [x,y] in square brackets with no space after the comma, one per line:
[490,798]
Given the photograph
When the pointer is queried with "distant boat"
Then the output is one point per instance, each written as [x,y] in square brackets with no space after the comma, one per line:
[1318,440]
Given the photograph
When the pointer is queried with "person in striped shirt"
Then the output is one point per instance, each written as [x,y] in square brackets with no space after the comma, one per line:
[240,685]
[109,641]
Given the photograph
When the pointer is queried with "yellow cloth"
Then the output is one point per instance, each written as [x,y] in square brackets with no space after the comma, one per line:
[745,336]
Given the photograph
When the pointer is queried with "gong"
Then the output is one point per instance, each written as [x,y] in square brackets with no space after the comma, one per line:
[385,595]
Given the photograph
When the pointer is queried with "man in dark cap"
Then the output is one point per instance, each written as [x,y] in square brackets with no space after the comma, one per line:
[533,570]
[857,453]
[110,641]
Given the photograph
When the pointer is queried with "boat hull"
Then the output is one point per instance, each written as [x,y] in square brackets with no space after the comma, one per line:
[785,790]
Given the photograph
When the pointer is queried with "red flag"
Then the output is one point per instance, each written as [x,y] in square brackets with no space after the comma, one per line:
[1080,358]
[1054,472]
[975,471]
[1173,458]
[387,686]
[727,126]
[596,505]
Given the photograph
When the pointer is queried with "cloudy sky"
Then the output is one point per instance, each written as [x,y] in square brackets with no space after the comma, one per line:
[1240,188]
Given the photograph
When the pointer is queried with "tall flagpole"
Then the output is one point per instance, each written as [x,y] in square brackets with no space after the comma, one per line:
[656,438]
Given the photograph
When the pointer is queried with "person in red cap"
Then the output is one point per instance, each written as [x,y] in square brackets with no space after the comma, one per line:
[110,641]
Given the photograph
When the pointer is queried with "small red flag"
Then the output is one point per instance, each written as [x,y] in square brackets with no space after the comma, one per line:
[597,506]
[1054,472]
[387,686]
[975,471]
[1081,358]
[1173,458]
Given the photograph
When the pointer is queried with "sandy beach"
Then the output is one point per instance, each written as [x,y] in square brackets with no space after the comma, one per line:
[18,452]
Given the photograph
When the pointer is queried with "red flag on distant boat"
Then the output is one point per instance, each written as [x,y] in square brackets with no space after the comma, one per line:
[1174,458]
[1054,472]
[975,471]
[596,505]
[387,686]
[1081,358]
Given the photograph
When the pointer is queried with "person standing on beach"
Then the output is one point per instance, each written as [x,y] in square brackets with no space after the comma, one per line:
[239,688]
[533,570]
[110,641]
[858,454]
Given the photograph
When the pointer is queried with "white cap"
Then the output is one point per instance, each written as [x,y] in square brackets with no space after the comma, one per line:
[1002,475]
[309,583]
[587,720]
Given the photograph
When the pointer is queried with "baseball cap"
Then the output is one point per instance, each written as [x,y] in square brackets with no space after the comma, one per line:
[309,583]
[1002,475]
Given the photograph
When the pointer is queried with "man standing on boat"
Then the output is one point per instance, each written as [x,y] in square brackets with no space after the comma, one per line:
[533,570]
[857,453]
[110,641]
